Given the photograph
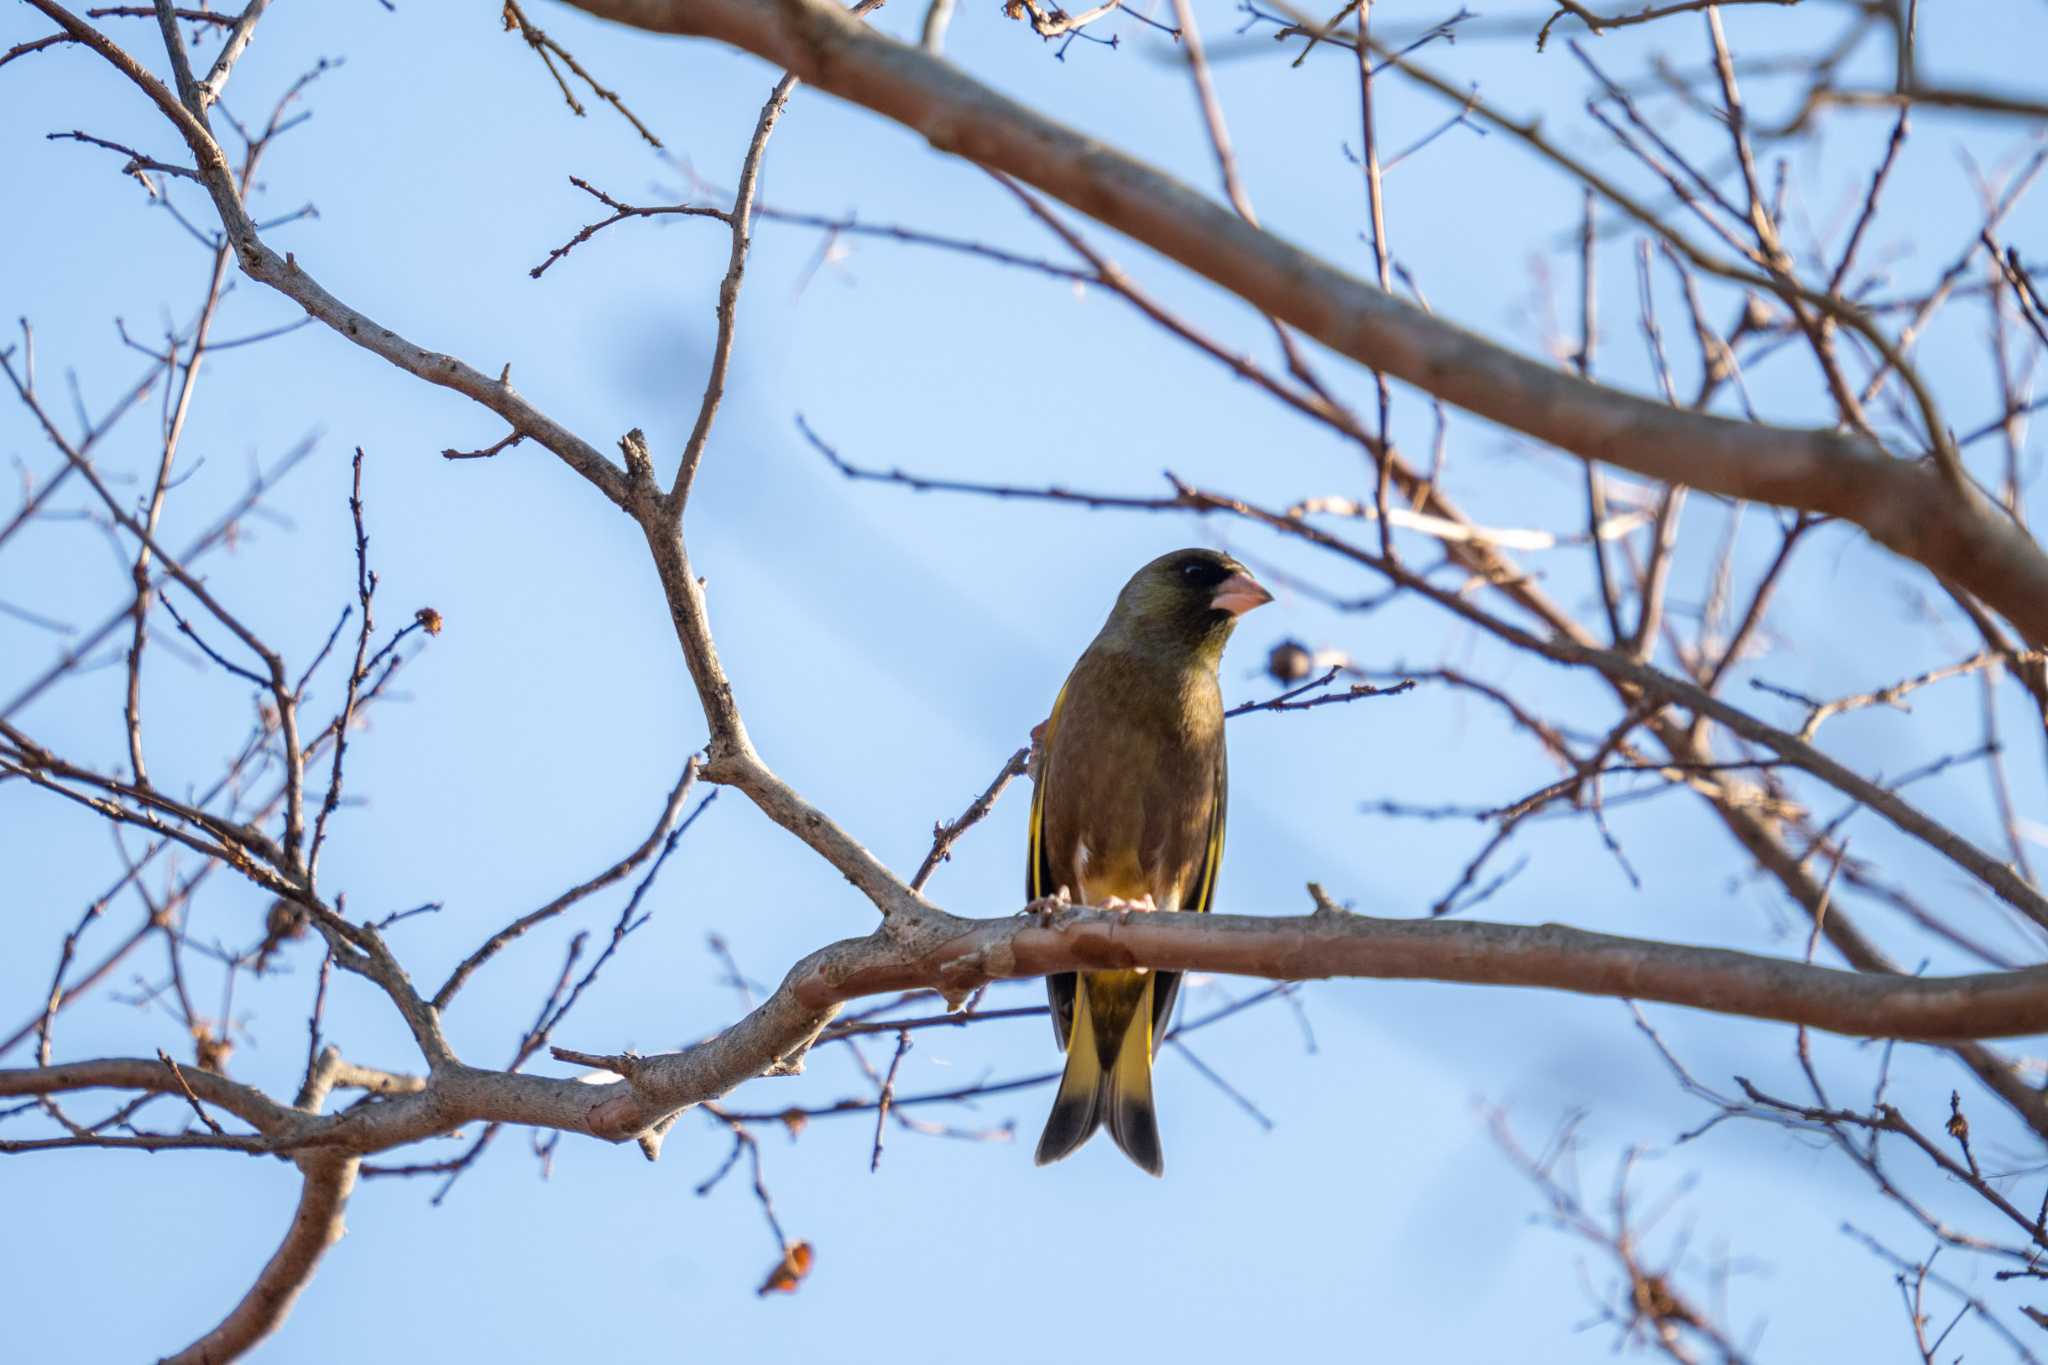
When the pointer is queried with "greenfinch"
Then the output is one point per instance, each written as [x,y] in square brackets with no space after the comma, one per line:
[1128,814]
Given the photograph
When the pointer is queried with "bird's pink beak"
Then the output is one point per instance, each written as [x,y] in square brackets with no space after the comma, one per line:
[1238,594]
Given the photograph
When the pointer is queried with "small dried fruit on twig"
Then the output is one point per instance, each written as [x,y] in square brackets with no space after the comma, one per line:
[1655,1301]
[285,921]
[1290,661]
[786,1276]
[209,1052]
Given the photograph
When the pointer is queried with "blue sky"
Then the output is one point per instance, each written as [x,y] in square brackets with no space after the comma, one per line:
[889,651]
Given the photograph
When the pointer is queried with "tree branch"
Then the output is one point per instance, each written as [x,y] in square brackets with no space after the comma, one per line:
[284,274]
[316,1226]
[954,956]
[1906,505]
[741,222]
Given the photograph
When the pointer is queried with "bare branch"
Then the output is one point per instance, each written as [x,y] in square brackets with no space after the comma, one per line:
[316,1226]
[548,50]
[1905,505]
[946,835]
[740,221]
[284,274]
[670,811]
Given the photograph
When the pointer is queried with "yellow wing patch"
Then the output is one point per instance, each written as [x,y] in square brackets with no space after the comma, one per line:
[1036,880]
[1212,858]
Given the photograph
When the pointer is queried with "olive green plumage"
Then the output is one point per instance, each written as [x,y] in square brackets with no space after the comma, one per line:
[1129,807]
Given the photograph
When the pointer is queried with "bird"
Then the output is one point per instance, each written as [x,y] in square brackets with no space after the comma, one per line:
[1128,813]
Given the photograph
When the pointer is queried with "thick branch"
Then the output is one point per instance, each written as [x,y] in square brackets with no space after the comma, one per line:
[930,950]
[964,953]
[1905,505]
[251,1106]
[955,955]
[316,1226]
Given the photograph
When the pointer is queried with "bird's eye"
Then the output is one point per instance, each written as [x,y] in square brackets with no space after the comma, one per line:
[1202,573]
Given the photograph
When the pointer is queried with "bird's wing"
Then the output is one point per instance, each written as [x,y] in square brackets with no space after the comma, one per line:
[1038,879]
[1166,989]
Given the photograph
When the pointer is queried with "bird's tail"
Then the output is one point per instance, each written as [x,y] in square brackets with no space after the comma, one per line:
[1108,1078]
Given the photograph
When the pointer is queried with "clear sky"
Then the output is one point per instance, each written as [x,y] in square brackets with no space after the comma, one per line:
[889,651]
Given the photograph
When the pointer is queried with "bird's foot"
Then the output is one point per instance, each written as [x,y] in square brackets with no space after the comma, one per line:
[1045,907]
[1126,908]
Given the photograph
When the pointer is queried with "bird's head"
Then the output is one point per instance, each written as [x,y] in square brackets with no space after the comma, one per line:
[1184,605]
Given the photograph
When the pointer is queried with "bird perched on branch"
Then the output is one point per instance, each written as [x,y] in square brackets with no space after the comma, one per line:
[1128,814]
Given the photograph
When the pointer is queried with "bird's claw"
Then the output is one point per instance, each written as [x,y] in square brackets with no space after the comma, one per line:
[1126,908]
[1045,907]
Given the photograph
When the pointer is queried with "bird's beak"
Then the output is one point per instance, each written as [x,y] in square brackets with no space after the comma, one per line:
[1238,594]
